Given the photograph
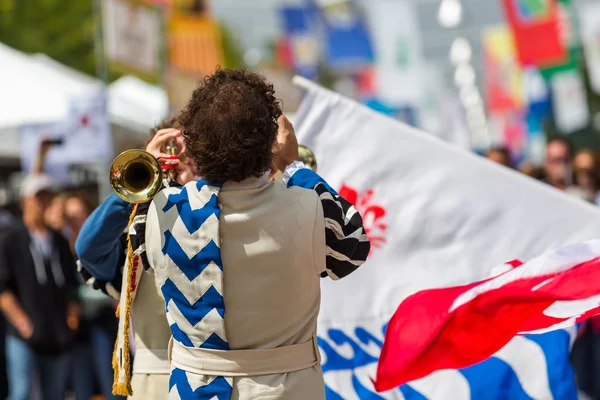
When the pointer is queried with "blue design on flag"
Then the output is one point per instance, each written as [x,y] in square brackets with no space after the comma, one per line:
[410,393]
[492,379]
[560,373]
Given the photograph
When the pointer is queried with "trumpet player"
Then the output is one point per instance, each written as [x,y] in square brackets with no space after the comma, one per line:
[238,259]
[101,249]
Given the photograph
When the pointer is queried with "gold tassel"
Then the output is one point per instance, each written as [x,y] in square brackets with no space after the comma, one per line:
[124,388]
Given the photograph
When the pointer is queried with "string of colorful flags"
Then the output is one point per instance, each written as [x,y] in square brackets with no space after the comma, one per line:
[532,68]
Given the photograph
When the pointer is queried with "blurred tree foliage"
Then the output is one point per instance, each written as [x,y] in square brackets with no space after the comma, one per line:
[231,48]
[62,29]
[65,30]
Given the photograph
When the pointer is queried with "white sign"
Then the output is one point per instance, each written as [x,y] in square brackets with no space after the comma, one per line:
[571,111]
[132,34]
[85,136]
[590,34]
[436,216]
[398,52]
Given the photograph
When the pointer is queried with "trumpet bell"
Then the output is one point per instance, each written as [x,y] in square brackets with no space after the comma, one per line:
[136,176]
[307,156]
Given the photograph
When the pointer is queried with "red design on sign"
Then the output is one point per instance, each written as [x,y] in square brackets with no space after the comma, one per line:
[85,121]
[373,215]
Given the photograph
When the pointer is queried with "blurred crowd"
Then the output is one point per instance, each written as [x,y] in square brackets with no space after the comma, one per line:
[59,333]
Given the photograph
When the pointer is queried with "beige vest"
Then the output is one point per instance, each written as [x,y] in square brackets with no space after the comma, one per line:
[151,367]
[273,252]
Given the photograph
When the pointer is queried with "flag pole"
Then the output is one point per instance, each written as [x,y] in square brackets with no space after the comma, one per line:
[101,63]
[102,73]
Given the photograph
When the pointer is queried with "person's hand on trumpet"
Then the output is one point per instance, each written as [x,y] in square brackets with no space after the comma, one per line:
[184,167]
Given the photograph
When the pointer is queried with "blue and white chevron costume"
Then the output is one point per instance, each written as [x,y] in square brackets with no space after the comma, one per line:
[278,356]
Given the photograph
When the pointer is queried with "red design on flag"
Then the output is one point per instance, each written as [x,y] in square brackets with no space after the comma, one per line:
[455,327]
[373,215]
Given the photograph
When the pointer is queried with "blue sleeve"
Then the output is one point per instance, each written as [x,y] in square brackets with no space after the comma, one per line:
[98,245]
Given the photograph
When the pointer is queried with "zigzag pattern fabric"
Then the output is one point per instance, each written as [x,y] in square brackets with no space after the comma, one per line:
[191,281]
[184,385]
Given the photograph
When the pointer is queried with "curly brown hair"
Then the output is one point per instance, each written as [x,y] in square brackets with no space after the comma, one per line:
[230,125]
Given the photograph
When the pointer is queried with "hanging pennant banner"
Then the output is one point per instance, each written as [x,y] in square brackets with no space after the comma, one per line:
[302,47]
[566,20]
[132,36]
[347,42]
[503,76]
[571,111]
[538,37]
[195,45]
[399,67]
[590,35]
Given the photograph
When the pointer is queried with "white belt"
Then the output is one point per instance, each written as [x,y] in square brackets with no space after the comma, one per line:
[151,361]
[278,360]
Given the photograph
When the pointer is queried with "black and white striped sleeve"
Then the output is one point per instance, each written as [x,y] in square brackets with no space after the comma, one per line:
[347,245]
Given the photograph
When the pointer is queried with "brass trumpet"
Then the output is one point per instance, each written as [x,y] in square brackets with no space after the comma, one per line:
[307,156]
[136,176]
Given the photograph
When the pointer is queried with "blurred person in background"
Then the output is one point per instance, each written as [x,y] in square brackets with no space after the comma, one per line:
[38,296]
[586,351]
[499,155]
[91,362]
[55,216]
[586,170]
[558,166]
[92,353]
[6,218]
[532,171]
[101,248]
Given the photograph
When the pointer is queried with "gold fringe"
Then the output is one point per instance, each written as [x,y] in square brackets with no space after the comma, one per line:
[124,388]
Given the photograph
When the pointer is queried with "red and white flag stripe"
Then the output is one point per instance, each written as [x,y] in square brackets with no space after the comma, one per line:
[459,326]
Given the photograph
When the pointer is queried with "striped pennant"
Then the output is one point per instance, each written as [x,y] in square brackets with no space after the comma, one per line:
[194,44]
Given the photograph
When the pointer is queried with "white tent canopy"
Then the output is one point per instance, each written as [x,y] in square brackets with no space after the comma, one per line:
[136,104]
[25,94]
[38,89]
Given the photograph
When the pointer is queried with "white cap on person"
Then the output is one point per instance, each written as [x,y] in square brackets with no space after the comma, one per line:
[36,183]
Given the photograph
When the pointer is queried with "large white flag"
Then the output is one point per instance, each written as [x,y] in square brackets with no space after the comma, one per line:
[437,216]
